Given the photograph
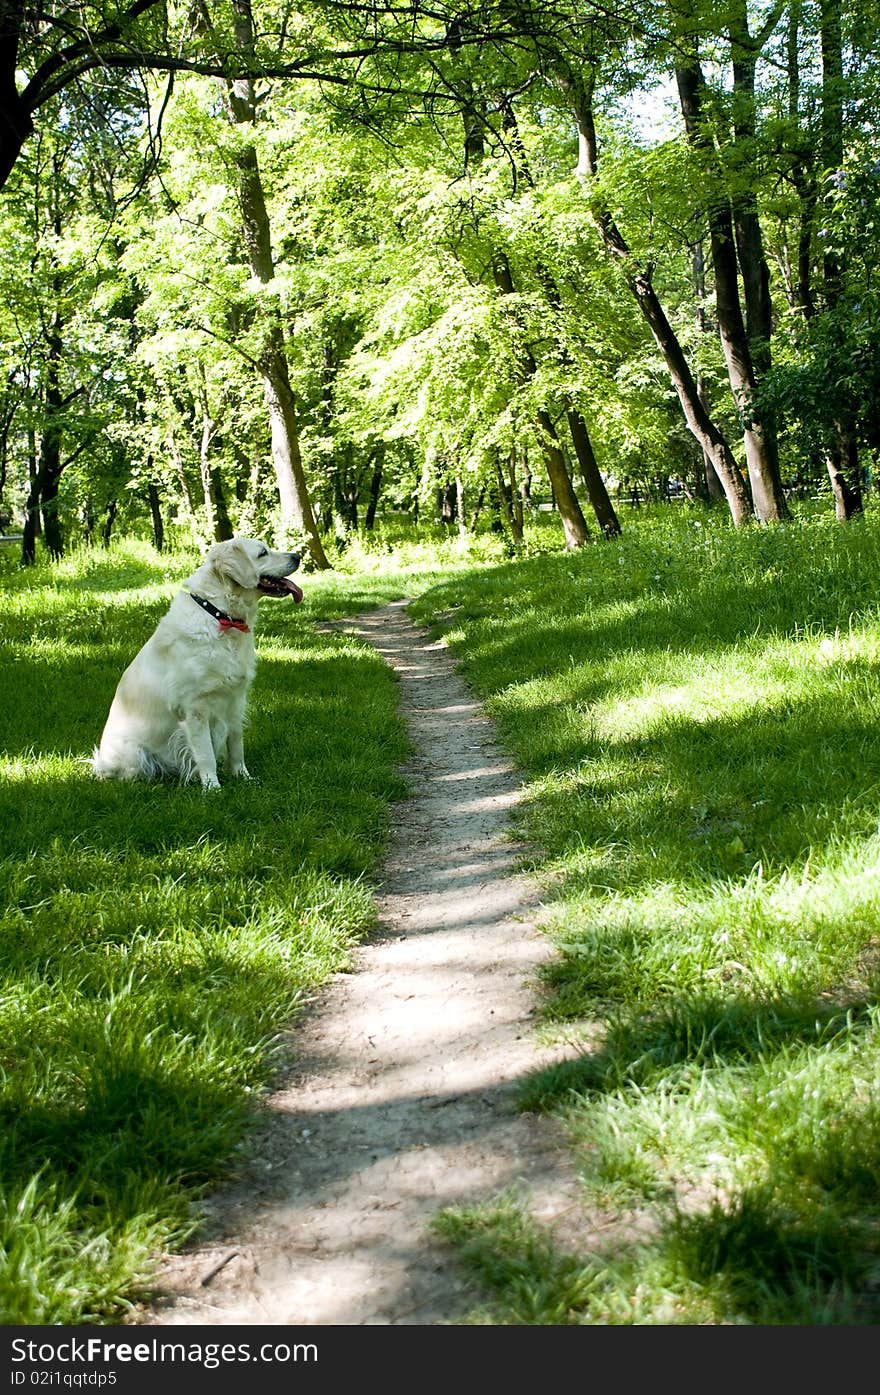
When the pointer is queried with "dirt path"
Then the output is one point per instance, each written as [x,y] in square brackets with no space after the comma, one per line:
[400,1098]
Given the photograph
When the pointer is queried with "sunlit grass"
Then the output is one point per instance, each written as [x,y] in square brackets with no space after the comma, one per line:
[155,942]
[696,710]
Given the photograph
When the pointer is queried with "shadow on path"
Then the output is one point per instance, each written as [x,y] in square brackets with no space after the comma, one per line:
[401,1096]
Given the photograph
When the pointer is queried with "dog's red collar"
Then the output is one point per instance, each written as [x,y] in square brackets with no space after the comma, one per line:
[226,622]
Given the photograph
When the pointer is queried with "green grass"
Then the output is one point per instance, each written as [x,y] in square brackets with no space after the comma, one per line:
[154,941]
[696,711]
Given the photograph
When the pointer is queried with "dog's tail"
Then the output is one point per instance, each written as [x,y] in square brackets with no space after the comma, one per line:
[101,767]
[136,763]
[133,764]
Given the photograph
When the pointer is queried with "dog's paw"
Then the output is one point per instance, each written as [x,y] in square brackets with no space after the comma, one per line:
[210,782]
[241,772]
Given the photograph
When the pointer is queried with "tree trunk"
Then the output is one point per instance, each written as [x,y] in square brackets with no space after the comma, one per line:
[297,514]
[375,489]
[504,509]
[802,176]
[761,459]
[516,498]
[182,480]
[709,438]
[842,458]
[156,517]
[29,529]
[205,463]
[701,425]
[223,529]
[219,525]
[713,487]
[16,121]
[52,534]
[49,467]
[107,529]
[749,240]
[459,507]
[592,475]
[574,525]
[10,409]
[448,503]
[842,464]
[510,505]
[250,504]
[42,501]
[747,224]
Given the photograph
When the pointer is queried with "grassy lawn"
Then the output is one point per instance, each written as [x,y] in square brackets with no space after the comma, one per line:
[155,941]
[697,711]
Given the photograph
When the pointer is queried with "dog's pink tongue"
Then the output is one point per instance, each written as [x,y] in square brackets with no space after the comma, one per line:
[292,587]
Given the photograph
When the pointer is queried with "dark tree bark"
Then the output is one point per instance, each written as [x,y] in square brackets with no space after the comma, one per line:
[745,49]
[42,500]
[592,475]
[7,416]
[516,498]
[842,458]
[802,172]
[156,517]
[207,436]
[703,428]
[749,240]
[109,520]
[574,525]
[761,460]
[223,529]
[448,502]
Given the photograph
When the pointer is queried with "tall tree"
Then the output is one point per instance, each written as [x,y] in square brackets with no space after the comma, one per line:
[597,492]
[841,458]
[297,513]
[761,456]
[579,89]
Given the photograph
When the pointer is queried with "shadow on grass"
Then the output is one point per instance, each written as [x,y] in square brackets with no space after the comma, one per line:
[713,1032]
[694,800]
[155,938]
[774,778]
[756,1260]
[761,1260]
[140,1134]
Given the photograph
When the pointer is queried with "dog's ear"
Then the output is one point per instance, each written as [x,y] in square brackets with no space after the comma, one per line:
[231,559]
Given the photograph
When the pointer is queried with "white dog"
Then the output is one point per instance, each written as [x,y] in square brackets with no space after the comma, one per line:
[180,704]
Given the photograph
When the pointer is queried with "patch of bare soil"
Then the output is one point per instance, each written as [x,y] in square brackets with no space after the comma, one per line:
[400,1097]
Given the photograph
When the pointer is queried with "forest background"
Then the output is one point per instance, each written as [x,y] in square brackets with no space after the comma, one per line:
[274,271]
[438,293]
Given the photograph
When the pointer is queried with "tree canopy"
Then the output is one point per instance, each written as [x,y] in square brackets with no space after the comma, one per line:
[281,268]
